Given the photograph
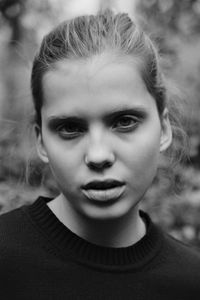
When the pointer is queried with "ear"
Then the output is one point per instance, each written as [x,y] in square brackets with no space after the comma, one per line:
[166,134]
[40,145]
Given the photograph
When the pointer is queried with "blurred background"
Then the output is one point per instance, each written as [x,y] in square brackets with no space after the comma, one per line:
[175,25]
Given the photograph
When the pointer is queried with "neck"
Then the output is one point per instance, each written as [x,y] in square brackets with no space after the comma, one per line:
[120,232]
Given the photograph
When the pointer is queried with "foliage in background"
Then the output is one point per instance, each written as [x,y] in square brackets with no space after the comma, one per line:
[175,26]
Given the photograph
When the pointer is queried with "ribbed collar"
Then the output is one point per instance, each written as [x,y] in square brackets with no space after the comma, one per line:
[85,252]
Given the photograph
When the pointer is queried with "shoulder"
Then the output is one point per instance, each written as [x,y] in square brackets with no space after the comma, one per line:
[16,230]
[10,230]
[180,254]
[176,265]
[21,241]
[12,224]
[10,221]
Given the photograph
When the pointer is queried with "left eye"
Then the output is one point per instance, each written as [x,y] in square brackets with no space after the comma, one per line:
[126,122]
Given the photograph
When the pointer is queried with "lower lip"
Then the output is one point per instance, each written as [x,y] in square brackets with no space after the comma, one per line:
[104,195]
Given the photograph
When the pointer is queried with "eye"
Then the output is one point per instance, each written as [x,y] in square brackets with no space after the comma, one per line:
[126,123]
[70,129]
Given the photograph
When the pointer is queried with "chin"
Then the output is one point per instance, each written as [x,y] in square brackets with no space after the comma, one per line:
[107,211]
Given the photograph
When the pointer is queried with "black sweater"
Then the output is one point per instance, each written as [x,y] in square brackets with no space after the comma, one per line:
[42,259]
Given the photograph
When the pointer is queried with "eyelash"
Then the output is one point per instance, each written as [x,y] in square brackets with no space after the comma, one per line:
[128,127]
[61,129]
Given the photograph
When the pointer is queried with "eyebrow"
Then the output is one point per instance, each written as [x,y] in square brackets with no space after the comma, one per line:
[139,111]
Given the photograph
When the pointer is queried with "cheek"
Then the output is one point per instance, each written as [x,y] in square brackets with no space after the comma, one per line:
[64,160]
[141,156]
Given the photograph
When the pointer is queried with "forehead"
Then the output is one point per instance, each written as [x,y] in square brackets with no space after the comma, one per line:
[88,69]
[100,80]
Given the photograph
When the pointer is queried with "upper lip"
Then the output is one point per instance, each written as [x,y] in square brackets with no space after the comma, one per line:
[106,184]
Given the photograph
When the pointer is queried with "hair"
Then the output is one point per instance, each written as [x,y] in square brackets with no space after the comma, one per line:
[86,36]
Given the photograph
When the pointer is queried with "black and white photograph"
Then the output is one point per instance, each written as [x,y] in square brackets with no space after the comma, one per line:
[99,150]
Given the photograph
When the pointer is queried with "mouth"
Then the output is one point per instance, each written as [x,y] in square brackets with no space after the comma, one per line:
[104,190]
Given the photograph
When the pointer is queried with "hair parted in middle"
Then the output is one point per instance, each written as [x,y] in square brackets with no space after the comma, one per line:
[87,36]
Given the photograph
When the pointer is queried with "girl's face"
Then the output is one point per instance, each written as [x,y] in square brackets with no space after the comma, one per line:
[99,122]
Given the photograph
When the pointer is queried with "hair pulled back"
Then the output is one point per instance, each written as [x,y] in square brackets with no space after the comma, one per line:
[86,36]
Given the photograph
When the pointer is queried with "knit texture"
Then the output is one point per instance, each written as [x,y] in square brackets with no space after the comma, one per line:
[40,258]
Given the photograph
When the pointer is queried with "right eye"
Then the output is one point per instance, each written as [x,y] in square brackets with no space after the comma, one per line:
[70,130]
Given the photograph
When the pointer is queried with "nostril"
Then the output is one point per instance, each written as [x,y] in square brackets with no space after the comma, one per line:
[99,159]
[99,165]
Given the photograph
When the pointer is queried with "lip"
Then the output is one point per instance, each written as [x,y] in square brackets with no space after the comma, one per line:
[104,195]
[103,184]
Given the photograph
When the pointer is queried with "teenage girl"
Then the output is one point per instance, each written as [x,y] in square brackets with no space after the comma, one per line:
[102,123]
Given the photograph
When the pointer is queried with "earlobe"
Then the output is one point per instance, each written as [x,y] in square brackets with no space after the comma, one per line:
[166,134]
[40,145]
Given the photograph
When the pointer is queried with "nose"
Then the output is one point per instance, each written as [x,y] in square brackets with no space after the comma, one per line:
[99,154]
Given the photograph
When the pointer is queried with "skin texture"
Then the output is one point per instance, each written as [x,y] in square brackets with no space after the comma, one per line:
[125,148]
